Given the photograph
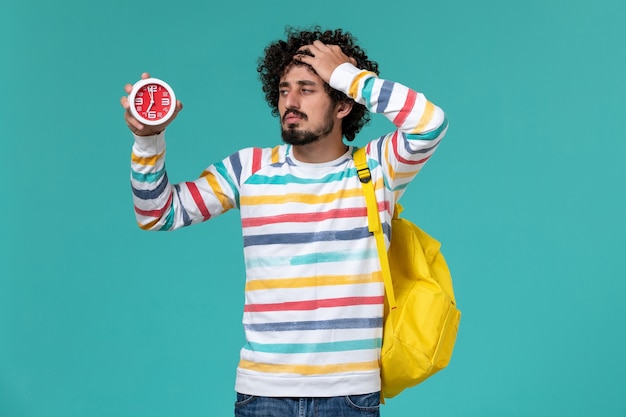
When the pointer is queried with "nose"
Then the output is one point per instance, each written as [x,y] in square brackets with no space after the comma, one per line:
[291,100]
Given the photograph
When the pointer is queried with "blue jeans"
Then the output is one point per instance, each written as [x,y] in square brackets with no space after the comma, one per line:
[367,405]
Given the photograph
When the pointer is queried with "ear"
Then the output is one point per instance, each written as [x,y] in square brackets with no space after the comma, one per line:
[344,108]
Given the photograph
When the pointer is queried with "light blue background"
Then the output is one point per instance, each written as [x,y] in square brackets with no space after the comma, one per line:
[98,318]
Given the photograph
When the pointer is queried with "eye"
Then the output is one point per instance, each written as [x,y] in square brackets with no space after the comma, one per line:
[282,92]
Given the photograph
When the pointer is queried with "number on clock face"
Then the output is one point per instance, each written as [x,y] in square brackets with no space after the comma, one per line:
[152,102]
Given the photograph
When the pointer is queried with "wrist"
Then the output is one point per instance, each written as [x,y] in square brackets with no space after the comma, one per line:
[342,77]
[148,145]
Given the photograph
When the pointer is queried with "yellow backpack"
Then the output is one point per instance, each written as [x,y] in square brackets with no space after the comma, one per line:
[421,318]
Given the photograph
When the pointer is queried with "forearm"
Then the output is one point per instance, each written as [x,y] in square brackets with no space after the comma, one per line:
[409,110]
[152,192]
[420,124]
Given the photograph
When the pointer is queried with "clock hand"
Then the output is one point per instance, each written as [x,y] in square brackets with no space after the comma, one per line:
[151,99]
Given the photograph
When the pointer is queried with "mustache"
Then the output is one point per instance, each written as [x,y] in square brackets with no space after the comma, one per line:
[294,112]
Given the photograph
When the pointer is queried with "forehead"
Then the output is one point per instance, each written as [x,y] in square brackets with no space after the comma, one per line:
[298,73]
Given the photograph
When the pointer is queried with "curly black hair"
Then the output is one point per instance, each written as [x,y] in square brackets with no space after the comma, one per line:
[279,54]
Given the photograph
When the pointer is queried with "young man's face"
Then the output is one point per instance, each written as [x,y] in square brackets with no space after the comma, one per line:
[306,110]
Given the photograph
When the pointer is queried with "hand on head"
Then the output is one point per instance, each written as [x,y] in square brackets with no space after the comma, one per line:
[323,58]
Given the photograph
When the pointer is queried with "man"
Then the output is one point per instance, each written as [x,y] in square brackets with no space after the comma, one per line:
[314,292]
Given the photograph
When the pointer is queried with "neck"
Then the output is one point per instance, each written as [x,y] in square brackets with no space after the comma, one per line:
[325,149]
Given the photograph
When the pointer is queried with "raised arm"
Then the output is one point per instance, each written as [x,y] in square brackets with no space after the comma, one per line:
[420,124]
[160,205]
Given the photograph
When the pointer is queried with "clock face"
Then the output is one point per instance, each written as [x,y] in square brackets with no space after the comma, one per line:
[152,101]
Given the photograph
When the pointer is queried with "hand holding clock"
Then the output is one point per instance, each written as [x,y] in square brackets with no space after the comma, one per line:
[149,120]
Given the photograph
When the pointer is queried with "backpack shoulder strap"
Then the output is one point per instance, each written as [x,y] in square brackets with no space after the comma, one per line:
[373,221]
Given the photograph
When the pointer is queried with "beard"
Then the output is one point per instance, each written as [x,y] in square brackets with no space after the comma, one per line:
[299,137]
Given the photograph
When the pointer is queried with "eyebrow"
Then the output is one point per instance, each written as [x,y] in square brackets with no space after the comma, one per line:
[299,82]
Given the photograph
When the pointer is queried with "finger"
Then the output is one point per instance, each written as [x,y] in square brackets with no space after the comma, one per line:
[145,75]
[311,49]
[128,88]
[124,102]
[319,44]
[132,123]
[305,51]
[336,49]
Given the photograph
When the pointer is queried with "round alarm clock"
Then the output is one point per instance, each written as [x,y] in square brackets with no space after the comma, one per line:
[152,101]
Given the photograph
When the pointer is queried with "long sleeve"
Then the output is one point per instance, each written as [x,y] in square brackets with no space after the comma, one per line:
[420,124]
[160,205]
